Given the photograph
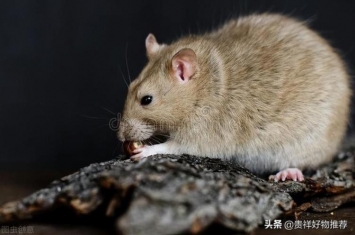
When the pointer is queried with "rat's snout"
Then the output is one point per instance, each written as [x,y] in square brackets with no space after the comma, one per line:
[134,130]
[120,133]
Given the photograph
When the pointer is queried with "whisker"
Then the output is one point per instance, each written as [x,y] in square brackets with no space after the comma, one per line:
[129,75]
[157,141]
[102,118]
[114,151]
[166,136]
[115,114]
[124,78]
[154,138]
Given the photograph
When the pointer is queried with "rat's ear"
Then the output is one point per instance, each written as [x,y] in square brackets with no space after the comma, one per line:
[184,64]
[151,45]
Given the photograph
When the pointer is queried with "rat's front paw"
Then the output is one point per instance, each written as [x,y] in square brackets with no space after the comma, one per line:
[148,150]
[289,173]
[143,152]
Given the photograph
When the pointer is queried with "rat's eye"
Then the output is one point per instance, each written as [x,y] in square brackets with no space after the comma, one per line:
[146,100]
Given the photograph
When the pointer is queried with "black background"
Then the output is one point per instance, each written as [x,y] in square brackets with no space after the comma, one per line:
[61,64]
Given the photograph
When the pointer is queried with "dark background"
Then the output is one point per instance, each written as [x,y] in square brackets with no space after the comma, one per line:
[61,66]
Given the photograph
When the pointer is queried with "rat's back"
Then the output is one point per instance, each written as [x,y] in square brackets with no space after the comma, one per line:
[289,89]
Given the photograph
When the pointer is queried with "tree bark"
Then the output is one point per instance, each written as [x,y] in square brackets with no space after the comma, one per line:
[168,194]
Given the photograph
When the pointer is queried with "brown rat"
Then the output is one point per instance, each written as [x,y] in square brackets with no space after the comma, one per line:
[263,89]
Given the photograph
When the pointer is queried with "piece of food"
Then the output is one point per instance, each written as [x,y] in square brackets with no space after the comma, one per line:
[130,146]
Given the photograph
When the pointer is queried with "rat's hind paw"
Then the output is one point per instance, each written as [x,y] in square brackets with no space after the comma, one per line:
[289,173]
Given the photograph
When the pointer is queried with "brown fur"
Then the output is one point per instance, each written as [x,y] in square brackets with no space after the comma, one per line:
[267,91]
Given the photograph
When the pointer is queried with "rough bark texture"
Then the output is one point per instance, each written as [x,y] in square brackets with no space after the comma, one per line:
[186,194]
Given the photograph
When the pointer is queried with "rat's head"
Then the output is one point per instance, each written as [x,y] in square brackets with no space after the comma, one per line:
[163,95]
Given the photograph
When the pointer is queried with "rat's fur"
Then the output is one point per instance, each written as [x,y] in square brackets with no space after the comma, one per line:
[267,91]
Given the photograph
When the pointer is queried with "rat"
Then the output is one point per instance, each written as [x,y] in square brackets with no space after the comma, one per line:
[264,90]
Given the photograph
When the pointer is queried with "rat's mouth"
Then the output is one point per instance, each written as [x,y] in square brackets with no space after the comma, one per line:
[128,147]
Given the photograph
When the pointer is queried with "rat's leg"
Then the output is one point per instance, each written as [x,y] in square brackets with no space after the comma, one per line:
[289,173]
[168,147]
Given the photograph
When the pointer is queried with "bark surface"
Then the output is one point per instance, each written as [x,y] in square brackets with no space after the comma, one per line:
[168,194]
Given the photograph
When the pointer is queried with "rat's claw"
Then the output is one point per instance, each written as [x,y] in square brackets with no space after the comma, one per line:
[289,173]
